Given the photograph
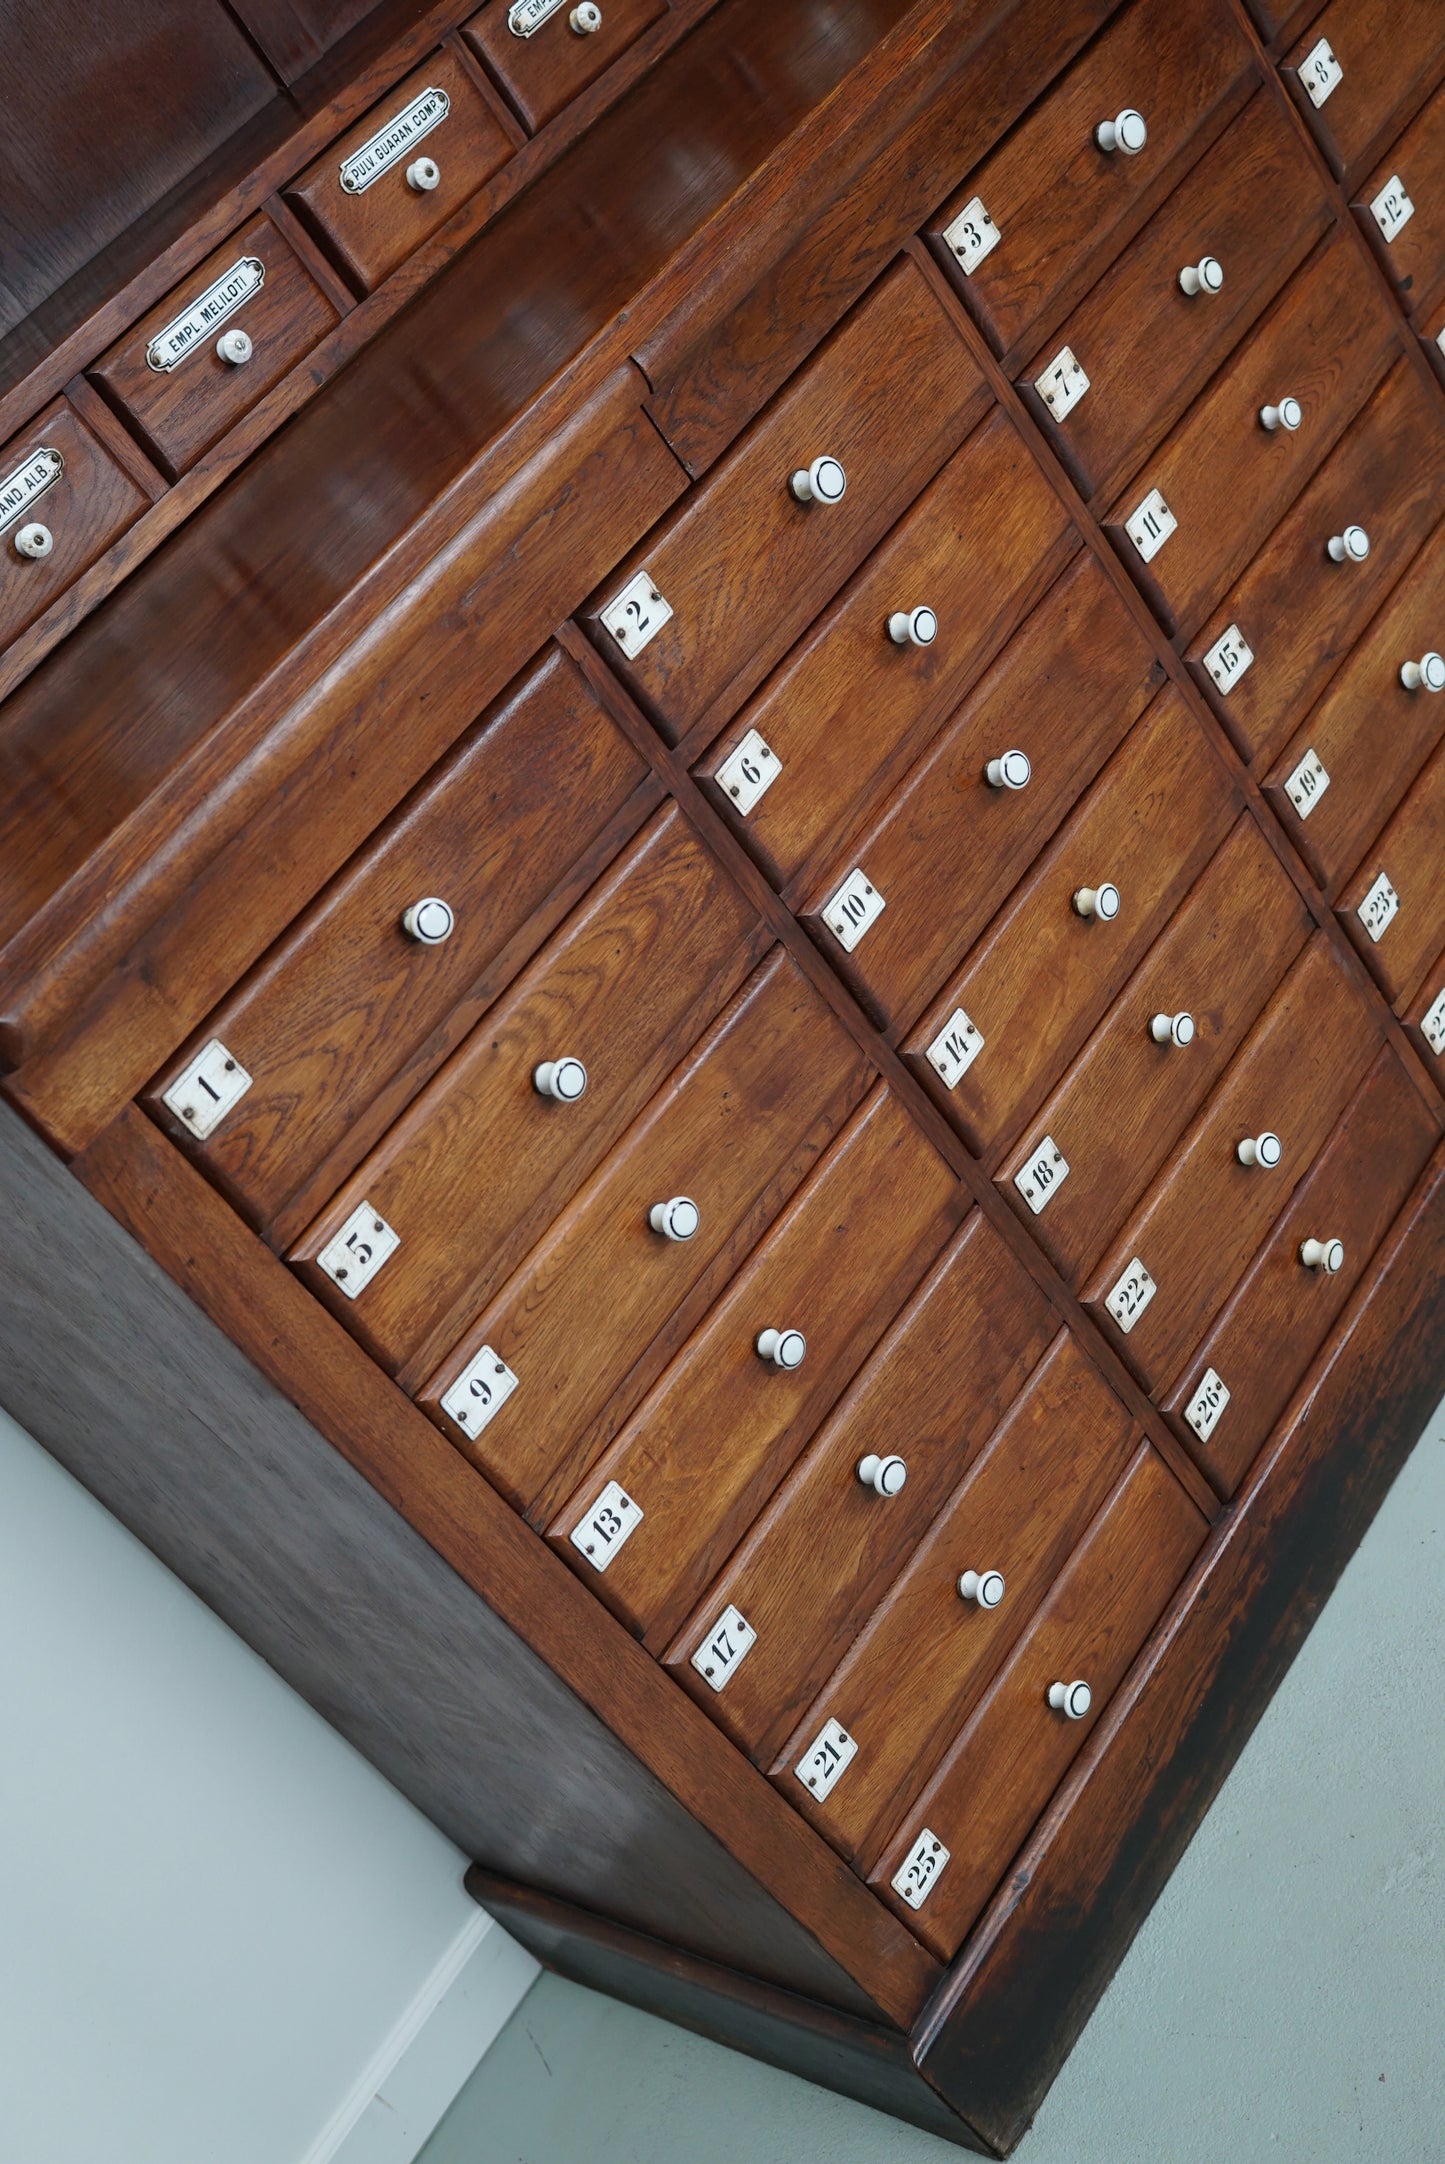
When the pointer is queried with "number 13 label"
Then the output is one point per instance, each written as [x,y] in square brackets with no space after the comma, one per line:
[613,1519]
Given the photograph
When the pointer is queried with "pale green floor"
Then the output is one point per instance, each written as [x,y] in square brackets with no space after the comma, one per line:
[1285,2001]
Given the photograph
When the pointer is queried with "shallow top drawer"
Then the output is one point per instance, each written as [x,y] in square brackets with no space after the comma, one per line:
[1035,224]
[1133,354]
[1394,907]
[390,181]
[703,609]
[1359,66]
[211,349]
[543,52]
[63,500]
[1401,208]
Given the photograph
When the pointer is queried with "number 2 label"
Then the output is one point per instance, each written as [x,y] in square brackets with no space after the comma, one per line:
[637,615]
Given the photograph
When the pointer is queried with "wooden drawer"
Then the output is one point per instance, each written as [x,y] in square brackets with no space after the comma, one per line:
[1281,1311]
[1297,610]
[826,1547]
[1425,1019]
[56,477]
[347,1012]
[1044,975]
[1394,906]
[924,1660]
[743,565]
[1016,1748]
[1410,245]
[357,197]
[836,1266]
[1208,1213]
[949,847]
[1061,207]
[1255,203]
[212,348]
[628,984]
[543,68]
[1379,57]
[588,1322]
[849,707]
[1370,734]
[1227,478]
[1124,1103]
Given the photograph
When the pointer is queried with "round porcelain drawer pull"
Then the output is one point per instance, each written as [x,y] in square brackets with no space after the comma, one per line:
[984,1586]
[1426,674]
[1264,1150]
[822,482]
[1101,902]
[1012,771]
[1126,131]
[586,20]
[422,175]
[235,347]
[912,627]
[1286,415]
[785,1348]
[1326,1255]
[564,1079]
[1073,1700]
[1206,276]
[35,541]
[675,1220]
[885,1476]
[1350,547]
[429,921]
[1172,1029]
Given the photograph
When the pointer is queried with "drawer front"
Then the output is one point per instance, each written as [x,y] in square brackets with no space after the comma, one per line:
[1424,1018]
[826,1547]
[1126,1100]
[1385,51]
[986,1796]
[1281,1312]
[1401,208]
[1255,204]
[710,1444]
[850,705]
[1394,906]
[949,848]
[1297,610]
[626,987]
[589,1320]
[1044,974]
[925,1659]
[1209,1212]
[543,70]
[743,566]
[1370,734]
[56,477]
[358,198]
[215,345]
[1061,207]
[347,1003]
[1227,478]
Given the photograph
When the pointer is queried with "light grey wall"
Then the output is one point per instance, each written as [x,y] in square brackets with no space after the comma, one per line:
[1284,2003]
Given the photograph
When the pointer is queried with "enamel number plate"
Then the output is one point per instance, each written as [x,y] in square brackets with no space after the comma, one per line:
[1307,784]
[972,236]
[1151,526]
[364,1244]
[1392,209]
[826,1760]
[611,1521]
[1041,1178]
[855,907]
[730,1641]
[1129,1298]
[479,1392]
[1433,1025]
[203,1095]
[917,1875]
[747,774]
[1062,384]
[637,615]
[1320,72]
[1229,657]
[1208,1402]
[1377,911]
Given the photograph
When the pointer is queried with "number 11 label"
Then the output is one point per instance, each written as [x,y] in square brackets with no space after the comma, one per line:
[1151,526]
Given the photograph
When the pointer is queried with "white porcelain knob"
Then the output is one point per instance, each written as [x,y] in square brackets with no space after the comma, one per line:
[1351,546]
[1012,771]
[1264,1150]
[1126,132]
[822,482]
[34,541]
[428,921]
[1172,1029]
[1101,902]
[423,174]
[234,346]
[785,1348]
[586,19]
[675,1220]
[1206,276]
[885,1476]
[1286,415]
[984,1586]
[563,1079]
[1073,1700]
[1326,1255]
[1426,674]
[912,627]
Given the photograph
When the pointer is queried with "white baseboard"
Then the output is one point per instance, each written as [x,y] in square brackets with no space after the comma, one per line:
[400,2096]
